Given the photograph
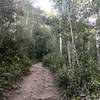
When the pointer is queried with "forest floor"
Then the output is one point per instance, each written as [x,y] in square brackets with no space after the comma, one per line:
[38,85]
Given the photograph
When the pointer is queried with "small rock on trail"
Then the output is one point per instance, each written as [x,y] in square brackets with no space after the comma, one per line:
[39,85]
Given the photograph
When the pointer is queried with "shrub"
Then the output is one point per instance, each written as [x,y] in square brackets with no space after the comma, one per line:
[11,70]
[69,82]
[53,61]
[76,83]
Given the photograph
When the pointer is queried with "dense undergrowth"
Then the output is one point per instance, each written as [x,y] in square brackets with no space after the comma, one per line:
[13,60]
[75,83]
[26,34]
[11,69]
[54,61]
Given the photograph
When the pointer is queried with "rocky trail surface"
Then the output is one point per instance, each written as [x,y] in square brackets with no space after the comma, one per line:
[39,85]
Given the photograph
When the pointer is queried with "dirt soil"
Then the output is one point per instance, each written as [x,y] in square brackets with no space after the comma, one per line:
[39,85]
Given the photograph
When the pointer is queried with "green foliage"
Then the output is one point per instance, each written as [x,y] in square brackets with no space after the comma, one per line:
[68,82]
[11,70]
[75,82]
[53,61]
[41,37]
[20,40]
[13,62]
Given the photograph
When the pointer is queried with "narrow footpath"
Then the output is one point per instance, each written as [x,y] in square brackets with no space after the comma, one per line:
[39,85]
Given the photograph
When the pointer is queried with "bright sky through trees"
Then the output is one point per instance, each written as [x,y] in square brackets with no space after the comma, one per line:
[44,5]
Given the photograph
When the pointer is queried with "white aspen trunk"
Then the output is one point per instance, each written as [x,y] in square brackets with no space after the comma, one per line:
[27,19]
[74,54]
[98,46]
[60,38]
[69,53]
[27,14]
[98,40]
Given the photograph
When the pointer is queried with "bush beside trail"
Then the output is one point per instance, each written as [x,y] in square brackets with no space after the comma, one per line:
[11,69]
[74,83]
[53,61]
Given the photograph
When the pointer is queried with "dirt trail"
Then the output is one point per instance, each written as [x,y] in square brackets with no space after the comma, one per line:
[39,85]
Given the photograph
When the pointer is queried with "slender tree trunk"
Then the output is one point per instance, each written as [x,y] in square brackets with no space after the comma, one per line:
[69,53]
[98,46]
[74,52]
[27,18]
[60,38]
[98,39]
